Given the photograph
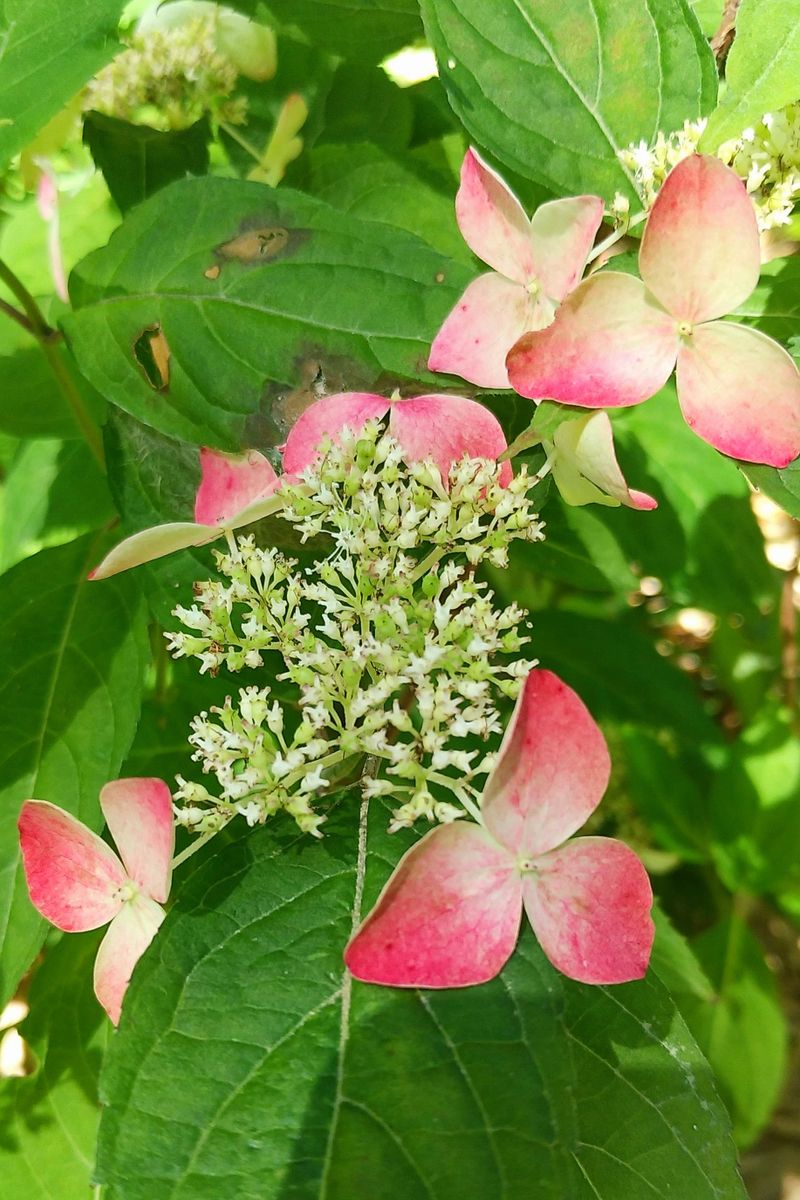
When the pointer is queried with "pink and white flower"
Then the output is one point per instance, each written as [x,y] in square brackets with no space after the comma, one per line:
[535,263]
[439,427]
[77,881]
[450,914]
[234,490]
[616,339]
[585,468]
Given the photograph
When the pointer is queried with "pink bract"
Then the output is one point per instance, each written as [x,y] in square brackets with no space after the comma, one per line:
[616,339]
[535,262]
[78,883]
[234,490]
[443,428]
[449,915]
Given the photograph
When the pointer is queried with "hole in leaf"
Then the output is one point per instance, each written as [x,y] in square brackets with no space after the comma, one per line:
[152,353]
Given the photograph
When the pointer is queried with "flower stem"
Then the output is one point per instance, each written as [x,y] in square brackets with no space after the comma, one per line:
[614,237]
[194,846]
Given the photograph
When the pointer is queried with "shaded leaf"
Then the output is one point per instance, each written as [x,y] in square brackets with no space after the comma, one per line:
[365,30]
[136,161]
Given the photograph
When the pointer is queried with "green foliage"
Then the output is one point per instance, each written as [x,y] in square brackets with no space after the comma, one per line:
[364,30]
[254,292]
[69,697]
[136,161]
[555,90]
[411,1090]
[48,50]
[50,1118]
[761,71]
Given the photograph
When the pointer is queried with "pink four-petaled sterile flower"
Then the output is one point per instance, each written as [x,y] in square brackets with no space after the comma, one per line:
[234,490]
[443,428]
[78,883]
[536,262]
[450,914]
[616,338]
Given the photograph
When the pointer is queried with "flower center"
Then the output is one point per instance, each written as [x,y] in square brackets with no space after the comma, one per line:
[126,892]
[534,288]
[526,865]
[685,328]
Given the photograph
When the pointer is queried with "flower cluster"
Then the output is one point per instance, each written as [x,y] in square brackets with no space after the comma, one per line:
[183,61]
[766,158]
[393,648]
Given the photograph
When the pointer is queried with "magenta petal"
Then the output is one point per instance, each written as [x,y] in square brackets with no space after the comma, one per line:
[448,917]
[562,234]
[129,935]
[700,252]
[551,772]
[492,220]
[740,391]
[490,317]
[73,876]
[229,483]
[138,813]
[589,904]
[328,417]
[609,345]
[446,428]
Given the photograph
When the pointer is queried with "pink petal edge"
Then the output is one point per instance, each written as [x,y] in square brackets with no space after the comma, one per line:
[473,342]
[700,253]
[492,221]
[230,483]
[589,904]
[73,877]
[448,917]
[138,813]
[128,936]
[446,428]
[610,345]
[551,771]
[327,417]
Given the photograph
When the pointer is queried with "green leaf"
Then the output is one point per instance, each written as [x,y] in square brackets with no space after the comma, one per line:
[364,30]
[743,1030]
[672,799]
[761,70]
[675,963]
[709,14]
[32,406]
[321,1086]
[774,306]
[136,161]
[252,294]
[782,486]
[48,50]
[363,105]
[754,812]
[556,90]
[70,688]
[50,1118]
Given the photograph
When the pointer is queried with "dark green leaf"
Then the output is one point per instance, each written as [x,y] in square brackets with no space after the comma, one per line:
[31,405]
[48,50]
[256,294]
[363,105]
[70,689]
[761,69]
[49,1119]
[556,90]
[305,1084]
[742,1030]
[364,30]
[136,161]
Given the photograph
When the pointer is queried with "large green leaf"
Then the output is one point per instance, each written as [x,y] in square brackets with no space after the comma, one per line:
[555,90]
[49,1119]
[48,50]
[248,295]
[761,70]
[70,689]
[307,1085]
[136,160]
[742,1030]
[366,30]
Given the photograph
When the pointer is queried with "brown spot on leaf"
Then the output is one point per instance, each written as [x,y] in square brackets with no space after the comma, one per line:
[152,353]
[439,277]
[213,272]
[256,245]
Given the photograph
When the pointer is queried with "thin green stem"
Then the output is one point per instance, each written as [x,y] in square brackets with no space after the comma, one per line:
[39,327]
[15,315]
[428,563]
[233,132]
[614,237]
[194,846]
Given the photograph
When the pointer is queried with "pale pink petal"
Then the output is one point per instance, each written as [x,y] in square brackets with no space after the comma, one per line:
[589,904]
[446,428]
[610,344]
[328,416]
[149,544]
[493,221]
[588,444]
[740,391]
[138,813]
[448,917]
[562,234]
[551,772]
[230,483]
[490,317]
[47,200]
[128,937]
[73,876]
[700,252]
